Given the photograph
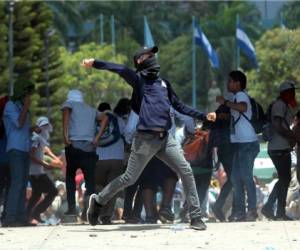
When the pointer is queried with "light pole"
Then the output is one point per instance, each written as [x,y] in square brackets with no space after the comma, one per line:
[11,49]
[49,32]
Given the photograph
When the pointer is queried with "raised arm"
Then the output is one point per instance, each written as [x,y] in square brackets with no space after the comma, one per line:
[186,110]
[126,73]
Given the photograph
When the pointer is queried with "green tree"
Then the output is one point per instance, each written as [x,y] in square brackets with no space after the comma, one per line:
[31,20]
[48,78]
[3,50]
[277,51]
[97,86]
[291,14]
[219,26]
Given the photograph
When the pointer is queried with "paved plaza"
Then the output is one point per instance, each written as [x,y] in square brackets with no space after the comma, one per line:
[255,236]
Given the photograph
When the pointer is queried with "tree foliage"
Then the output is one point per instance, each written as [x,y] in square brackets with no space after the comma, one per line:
[291,14]
[98,86]
[3,50]
[278,53]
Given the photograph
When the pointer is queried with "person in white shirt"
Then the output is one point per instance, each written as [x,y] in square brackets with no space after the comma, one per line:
[245,146]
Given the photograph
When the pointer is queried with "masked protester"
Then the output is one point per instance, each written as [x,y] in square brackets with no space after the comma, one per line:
[152,99]
[279,149]
[17,128]
[40,182]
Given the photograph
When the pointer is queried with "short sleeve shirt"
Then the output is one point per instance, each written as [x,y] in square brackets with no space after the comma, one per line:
[242,130]
[282,110]
[17,137]
[35,168]
[82,123]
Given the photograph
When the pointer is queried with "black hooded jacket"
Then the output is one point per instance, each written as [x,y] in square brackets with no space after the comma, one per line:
[151,98]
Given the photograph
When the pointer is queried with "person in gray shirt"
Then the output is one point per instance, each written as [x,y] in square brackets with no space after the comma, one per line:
[79,130]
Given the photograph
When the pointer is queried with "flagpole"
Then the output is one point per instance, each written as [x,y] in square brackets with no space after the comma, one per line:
[113,38]
[194,103]
[237,47]
[145,36]
[101,30]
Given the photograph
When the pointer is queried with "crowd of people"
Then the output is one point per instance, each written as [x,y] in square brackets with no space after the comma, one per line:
[118,160]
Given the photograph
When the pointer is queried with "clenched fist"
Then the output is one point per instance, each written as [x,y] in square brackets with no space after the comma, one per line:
[211,116]
[87,63]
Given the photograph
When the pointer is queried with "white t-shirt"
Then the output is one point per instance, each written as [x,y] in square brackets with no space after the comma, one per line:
[242,131]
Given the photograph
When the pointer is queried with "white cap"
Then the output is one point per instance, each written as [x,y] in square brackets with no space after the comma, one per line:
[286,85]
[75,95]
[42,121]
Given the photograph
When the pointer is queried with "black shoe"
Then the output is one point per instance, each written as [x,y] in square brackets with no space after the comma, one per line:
[11,224]
[93,210]
[150,220]
[268,213]
[283,217]
[106,220]
[166,215]
[238,218]
[198,224]
[28,224]
[218,213]
[251,215]
[132,220]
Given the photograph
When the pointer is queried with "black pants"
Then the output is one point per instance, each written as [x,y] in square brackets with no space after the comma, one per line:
[4,185]
[225,154]
[40,184]
[282,161]
[86,161]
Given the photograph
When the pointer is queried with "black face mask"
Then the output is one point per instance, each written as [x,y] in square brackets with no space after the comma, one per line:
[149,68]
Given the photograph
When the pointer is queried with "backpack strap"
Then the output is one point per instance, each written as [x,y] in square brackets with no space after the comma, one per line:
[243,113]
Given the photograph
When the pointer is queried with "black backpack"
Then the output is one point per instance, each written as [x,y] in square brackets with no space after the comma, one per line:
[111,133]
[267,132]
[258,118]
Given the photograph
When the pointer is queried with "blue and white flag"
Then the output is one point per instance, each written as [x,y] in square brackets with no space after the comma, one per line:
[244,43]
[203,42]
[148,39]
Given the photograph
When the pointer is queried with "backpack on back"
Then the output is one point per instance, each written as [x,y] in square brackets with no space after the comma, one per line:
[3,101]
[196,151]
[258,118]
[267,132]
[111,133]
[268,129]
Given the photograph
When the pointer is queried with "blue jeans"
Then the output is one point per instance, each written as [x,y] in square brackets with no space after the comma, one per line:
[242,176]
[19,169]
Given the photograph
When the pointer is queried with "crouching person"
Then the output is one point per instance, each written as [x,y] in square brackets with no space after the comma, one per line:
[40,182]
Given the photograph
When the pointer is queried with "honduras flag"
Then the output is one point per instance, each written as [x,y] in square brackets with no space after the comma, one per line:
[244,43]
[148,39]
[203,42]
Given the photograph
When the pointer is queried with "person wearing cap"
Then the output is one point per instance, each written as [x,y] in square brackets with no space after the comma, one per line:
[17,128]
[279,149]
[39,180]
[152,99]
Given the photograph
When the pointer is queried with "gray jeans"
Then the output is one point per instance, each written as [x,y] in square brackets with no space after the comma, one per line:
[144,147]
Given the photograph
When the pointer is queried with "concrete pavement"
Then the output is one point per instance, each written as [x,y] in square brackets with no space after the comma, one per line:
[228,236]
